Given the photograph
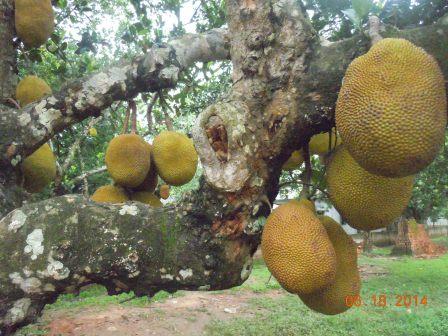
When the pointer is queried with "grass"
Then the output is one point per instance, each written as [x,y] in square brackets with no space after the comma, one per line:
[287,316]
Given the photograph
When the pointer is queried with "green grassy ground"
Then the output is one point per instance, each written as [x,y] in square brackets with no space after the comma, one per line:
[286,315]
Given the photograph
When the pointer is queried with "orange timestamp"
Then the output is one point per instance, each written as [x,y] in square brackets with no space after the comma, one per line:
[383,300]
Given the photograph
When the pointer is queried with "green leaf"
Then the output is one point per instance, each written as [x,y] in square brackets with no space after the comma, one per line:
[362,7]
[352,16]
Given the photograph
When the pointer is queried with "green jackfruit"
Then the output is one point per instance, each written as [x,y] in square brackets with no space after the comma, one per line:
[39,169]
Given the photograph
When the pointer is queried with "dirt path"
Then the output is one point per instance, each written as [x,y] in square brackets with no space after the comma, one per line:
[185,315]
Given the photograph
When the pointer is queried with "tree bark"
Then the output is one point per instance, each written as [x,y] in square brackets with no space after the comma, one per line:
[8,64]
[285,87]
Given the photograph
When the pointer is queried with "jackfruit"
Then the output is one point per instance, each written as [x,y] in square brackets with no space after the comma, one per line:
[295,161]
[93,132]
[34,20]
[164,191]
[297,250]
[152,178]
[391,109]
[147,198]
[366,201]
[39,169]
[332,299]
[31,89]
[175,157]
[109,194]
[128,159]
[320,143]
[306,203]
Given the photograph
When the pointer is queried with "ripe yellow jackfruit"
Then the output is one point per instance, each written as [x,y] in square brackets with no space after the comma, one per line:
[391,109]
[34,20]
[332,299]
[109,194]
[297,250]
[39,169]
[295,161]
[320,143]
[31,89]
[164,191]
[147,198]
[128,159]
[366,201]
[175,157]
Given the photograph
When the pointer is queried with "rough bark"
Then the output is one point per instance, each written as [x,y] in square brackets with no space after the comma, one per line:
[8,64]
[285,87]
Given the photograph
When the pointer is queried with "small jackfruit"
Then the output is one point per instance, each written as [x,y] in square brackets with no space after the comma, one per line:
[391,109]
[297,250]
[34,20]
[93,132]
[147,198]
[366,201]
[295,161]
[164,191]
[320,143]
[109,194]
[175,157]
[128,159]
[31,89]
[332,299]
[39,169]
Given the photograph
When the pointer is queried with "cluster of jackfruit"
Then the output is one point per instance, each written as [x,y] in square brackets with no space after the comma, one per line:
[311,256]
[34,21]
[135,167]
[38,169]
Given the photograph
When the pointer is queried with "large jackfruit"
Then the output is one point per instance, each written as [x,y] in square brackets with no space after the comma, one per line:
[147,198]
[295,161]
[34,20]
[332,299]
[31,89]
[320,143]
[109,194]
[175,157]
[297,250]
[366,201]
[39,169]
[391,109]
[128,159]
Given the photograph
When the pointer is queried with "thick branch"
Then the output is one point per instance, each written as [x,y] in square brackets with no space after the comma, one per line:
[68,242]
[23,131]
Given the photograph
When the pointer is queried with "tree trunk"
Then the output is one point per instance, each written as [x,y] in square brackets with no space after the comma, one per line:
[402,242]
[285,87]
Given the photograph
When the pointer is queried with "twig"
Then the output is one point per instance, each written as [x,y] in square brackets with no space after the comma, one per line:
[84,180]
[128,299]
[89,173]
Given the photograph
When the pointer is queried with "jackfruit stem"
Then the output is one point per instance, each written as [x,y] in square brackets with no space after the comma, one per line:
[133,106]
[149,111]
[126,120]
[374,29]
[305,193]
